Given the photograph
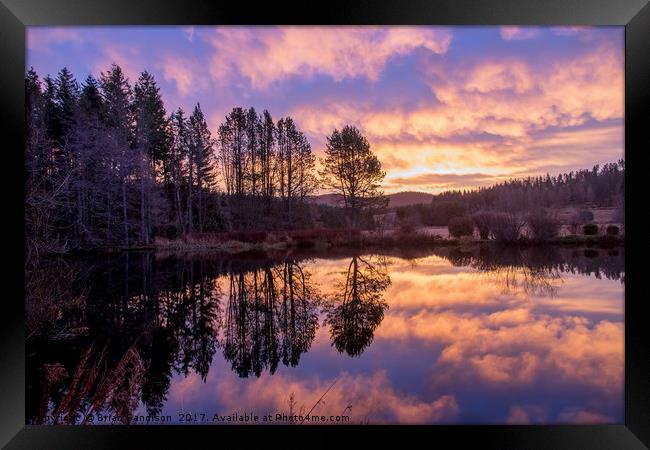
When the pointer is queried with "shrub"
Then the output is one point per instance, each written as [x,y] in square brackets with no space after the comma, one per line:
[305,243]
[460,226]
[579,217]
[168,232]
[619,213]
[608,241]
[584,215]
[590,229]
[573,223]
[612,230]
[505,227]
[482,220]
[406,228]
[542,225]
[466,240]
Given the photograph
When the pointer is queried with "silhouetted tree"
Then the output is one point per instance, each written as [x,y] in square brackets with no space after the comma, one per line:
[351,170]
[356,311]
[152,142]
[201,157]
[271,316]
[117,96]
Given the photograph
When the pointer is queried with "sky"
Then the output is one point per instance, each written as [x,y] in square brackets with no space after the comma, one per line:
[442,107]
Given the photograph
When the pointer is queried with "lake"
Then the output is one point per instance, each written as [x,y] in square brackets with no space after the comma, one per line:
[482,335]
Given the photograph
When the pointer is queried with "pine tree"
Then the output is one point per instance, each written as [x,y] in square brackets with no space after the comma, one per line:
[91,177]
[67,92]
[151,143]
[117,96]
[201,150]
[178,154]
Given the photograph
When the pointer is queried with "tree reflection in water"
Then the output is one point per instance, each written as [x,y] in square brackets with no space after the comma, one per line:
[149,319]
[357,309]
[272,315]
[537,270]
[142,318]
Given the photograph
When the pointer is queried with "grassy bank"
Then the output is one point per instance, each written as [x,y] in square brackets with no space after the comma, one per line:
[247,241]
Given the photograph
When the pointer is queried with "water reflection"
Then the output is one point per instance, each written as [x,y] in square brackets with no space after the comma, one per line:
[357,307]
[152,324]
[546,262]
[271,315]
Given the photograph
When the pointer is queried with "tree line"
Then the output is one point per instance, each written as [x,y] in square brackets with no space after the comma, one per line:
[602,186]
[107,166]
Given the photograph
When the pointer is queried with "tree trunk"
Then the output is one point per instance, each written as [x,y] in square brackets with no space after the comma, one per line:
[190,221]
[143,228]
[124,212]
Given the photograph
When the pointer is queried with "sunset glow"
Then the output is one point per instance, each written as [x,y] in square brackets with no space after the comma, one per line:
[442,107]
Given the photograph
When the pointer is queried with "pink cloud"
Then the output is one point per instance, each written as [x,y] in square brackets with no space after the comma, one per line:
[184,74]
[365,398]
[583,417]
[189,33]
[526,414]
[582,33]
[263,55]
[519,33]
[125,56]
[40,38]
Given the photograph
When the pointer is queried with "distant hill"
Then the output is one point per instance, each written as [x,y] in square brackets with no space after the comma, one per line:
[394,200]
[409,198]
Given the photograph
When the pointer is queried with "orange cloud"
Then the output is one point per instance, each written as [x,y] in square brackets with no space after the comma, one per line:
[506,75]
[263,55]
[519,349]
[501,118]
[365,398]
[507,338]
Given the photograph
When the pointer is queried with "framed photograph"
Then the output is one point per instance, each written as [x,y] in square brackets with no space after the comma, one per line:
[254,221]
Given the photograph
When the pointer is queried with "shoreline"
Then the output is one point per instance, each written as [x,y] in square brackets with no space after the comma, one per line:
[366,243]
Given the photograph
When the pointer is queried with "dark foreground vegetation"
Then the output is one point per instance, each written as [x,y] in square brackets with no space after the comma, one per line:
[327,239]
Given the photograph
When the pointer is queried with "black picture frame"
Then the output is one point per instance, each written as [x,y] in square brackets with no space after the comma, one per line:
[15,15]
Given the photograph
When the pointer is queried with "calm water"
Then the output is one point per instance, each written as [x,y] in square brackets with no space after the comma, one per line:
[481,336]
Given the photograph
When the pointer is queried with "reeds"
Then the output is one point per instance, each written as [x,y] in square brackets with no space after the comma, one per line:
[94,386]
